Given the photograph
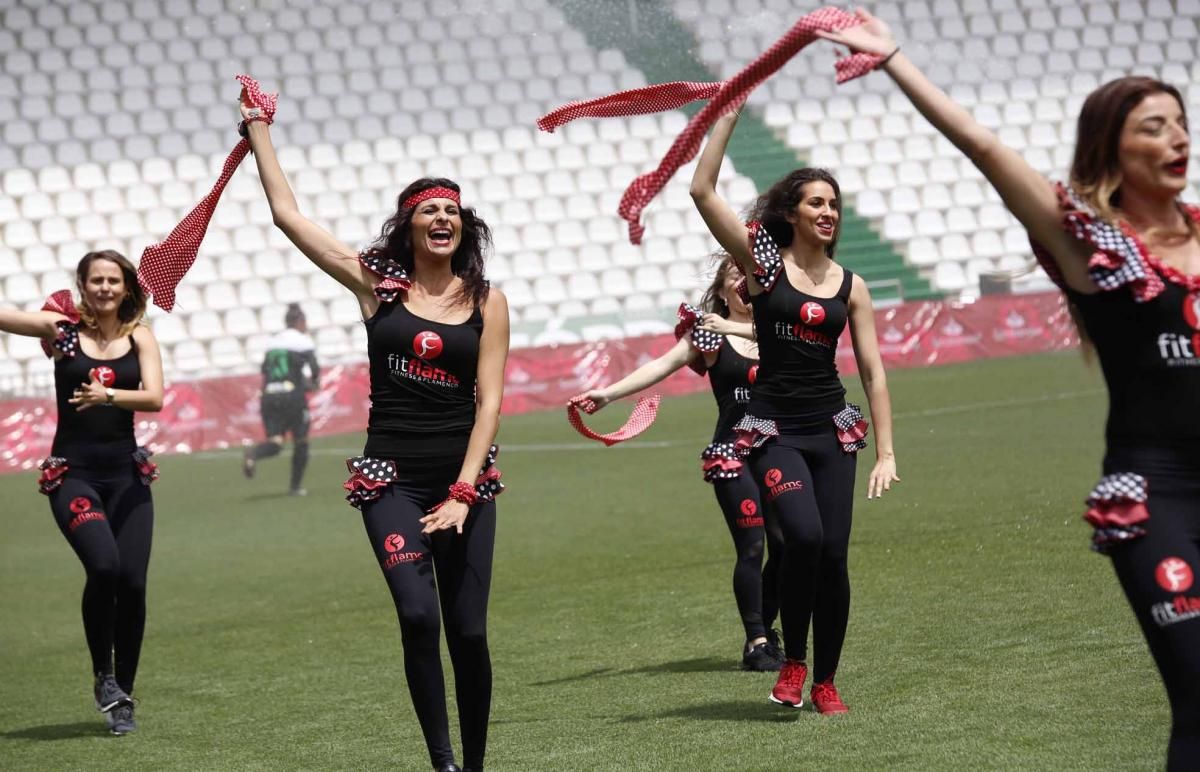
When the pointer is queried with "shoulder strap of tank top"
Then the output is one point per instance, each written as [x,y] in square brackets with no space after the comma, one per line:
[847,282]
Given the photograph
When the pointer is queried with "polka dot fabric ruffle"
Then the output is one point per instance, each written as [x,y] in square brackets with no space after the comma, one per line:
[66,342]
[768,263]
[753,432]
[720,461]
[147,469]
[1120,259]
[393,279]
[54,468]
[851,428]
[369,476]
[1117,510]
[690,316]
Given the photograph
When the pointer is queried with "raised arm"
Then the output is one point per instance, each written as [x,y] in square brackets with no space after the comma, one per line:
[1025,192]
[722,221]
[489,393]
[874,381]
[327,252]
[642,378]
[31,324]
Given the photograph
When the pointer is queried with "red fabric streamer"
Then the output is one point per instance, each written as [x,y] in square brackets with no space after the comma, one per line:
[164,264]
[644,413]
[635,101]
[667,95]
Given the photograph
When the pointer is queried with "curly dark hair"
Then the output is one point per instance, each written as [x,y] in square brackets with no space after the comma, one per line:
[773,207]
[712,302]
[395,241]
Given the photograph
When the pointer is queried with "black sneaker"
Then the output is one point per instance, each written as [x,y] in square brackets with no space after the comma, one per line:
[108,694]
[248,462]
[451,767]
[761,659]
[776,644]
[120,719]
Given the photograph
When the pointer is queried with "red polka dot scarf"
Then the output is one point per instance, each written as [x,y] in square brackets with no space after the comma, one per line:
[668,96]
[164,264]
[644,413]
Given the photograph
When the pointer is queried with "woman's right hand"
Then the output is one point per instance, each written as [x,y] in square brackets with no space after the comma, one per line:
[249,112]
[872,36]
[596,398]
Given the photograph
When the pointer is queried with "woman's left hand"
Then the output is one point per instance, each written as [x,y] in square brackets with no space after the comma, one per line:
[882,477]
[716,323]
[449,514]
[89,394]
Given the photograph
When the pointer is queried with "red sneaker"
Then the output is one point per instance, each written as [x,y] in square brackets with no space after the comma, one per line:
[789,689]
[825,699]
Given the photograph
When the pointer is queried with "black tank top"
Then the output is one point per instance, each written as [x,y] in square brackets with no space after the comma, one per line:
[798,384]
[1150,355]
[730,377]
[101,436]
[422,383]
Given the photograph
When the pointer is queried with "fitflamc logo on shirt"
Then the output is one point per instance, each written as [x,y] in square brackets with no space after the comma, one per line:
[812,314]
[427,345]
[1175,576]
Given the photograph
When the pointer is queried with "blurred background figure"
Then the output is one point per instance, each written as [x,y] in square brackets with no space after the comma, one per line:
[289,371]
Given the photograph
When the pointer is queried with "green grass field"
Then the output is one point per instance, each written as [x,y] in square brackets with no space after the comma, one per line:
[983,633]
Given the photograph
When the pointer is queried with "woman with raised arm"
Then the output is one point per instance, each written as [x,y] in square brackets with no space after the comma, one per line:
[106,366]
[717,339]
[437,341]
[801,437]
[1126,252]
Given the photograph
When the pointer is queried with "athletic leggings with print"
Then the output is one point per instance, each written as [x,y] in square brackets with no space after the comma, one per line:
[755,582]
[802,439]
[422,413]
[97,481]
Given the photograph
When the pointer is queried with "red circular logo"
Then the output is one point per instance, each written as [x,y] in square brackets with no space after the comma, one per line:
[1191,310]
[812,314]
[104,375]
[393,543]
[1174,575]
[773,477]
[81,504]
[752,376]
[749,508]
[427,345]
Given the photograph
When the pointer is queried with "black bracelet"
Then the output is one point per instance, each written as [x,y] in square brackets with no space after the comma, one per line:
[888,58]
[243,131]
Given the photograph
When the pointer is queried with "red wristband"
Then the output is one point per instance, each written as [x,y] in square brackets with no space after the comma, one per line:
[464,492]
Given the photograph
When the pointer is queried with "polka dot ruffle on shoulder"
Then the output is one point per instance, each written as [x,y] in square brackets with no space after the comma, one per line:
[690,316]
[767,262]
[393,279]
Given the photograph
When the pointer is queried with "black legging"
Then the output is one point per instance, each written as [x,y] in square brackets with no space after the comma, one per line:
[1146,570]
[108,519]
[809,482]
[462,566]
[755,583]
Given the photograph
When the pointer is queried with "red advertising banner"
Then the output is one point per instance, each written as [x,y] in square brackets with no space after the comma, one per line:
[224,412]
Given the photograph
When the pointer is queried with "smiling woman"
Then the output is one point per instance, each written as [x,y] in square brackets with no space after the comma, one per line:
[437,342]
[799,435]
[1126,252]
[106,366]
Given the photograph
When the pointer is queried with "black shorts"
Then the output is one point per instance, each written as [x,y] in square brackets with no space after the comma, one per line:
[285,414]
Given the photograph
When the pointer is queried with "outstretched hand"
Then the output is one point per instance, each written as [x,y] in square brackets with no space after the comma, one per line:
[590,401]
[872,36]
